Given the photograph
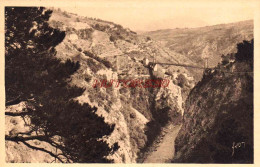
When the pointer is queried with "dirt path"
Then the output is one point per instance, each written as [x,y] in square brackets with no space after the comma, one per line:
[164,148]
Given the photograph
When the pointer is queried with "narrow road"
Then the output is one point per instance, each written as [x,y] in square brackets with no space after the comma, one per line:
[164,151]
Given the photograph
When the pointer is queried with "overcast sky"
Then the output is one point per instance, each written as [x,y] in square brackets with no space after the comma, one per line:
[154,14]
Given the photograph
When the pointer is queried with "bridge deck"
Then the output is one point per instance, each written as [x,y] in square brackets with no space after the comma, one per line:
[201,68]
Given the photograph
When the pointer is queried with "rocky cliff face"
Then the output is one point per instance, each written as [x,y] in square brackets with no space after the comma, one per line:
[218,117]
[107,51]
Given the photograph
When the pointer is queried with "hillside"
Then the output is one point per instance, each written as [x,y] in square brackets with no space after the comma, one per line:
[99,71]
[210,41]
[107,51]
[218,117]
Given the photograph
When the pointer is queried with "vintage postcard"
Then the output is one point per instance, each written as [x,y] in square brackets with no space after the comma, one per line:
[127,82]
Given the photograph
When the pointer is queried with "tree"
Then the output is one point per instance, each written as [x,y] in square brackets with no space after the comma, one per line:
[181,80]
[245,51]
[34,75]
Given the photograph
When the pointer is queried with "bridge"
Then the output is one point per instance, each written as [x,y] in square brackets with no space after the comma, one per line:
[200,68]
[180,65]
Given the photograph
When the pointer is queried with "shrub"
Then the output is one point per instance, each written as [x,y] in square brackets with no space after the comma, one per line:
[88,77]
[85,33]
[112,38]
[66,14]
[79,49]
[245,51]
[100,27]
[88,53]
[106,63]
[93,65]
[148,38]
[127,40]
[181,80]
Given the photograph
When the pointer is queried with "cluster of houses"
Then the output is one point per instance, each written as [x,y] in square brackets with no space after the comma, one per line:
[129,67]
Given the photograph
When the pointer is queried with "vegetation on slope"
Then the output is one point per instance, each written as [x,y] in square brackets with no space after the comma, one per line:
[35,76]
[218,117]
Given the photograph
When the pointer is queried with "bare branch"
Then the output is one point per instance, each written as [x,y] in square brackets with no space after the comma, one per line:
[59,146]
[14,101]
[40,138]
[25,133]
[42,149]
[15,114]
[21,138]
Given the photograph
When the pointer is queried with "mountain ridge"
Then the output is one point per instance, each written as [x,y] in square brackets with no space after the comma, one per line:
[214,25]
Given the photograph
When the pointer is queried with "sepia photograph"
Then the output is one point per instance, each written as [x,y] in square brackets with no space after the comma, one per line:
[129,82]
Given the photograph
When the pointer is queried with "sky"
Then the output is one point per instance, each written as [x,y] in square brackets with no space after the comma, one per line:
[152,15]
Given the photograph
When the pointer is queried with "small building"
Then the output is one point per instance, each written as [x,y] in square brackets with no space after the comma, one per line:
[155,68]
[146,62]
[159,71]
[158,74]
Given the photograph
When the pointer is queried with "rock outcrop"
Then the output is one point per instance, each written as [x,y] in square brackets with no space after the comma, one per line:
[218,117]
